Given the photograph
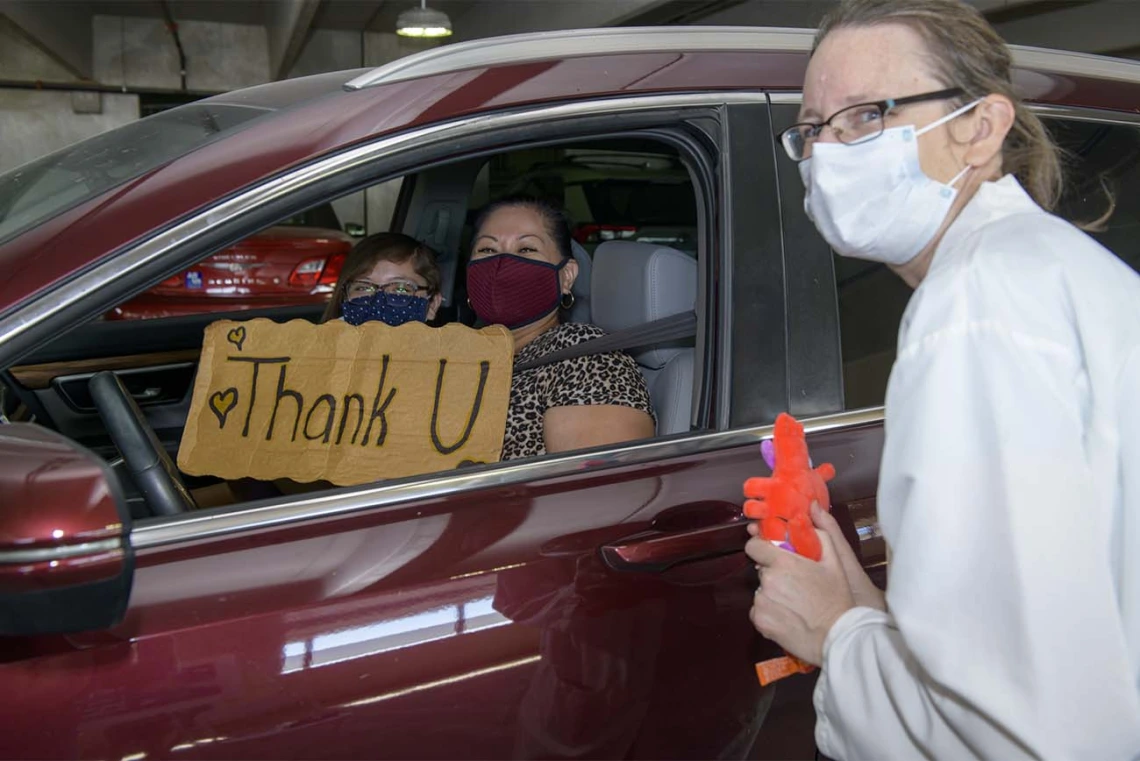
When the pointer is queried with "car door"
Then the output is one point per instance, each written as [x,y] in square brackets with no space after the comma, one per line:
[592,604]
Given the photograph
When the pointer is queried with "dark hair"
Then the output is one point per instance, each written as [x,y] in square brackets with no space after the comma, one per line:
[967,53]
[556,220]
[383,247]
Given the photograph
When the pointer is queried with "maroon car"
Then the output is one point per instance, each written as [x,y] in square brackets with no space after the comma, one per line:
[578,605]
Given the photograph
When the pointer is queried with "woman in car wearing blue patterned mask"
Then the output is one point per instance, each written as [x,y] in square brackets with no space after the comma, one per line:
[390,278]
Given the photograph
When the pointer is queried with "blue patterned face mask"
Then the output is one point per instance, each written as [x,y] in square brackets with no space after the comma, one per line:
[390,308]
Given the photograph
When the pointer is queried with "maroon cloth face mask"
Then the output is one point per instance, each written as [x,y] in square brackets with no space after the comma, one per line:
[514,291]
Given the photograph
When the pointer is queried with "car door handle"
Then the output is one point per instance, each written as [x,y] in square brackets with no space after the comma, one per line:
[657,550]
[150,393]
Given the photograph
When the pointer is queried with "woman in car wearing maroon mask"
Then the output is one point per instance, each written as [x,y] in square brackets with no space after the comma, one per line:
[520,275]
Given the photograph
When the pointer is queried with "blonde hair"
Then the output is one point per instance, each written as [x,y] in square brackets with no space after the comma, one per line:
[967,53]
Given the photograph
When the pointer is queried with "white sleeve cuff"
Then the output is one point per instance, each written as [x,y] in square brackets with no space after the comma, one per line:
[850,622]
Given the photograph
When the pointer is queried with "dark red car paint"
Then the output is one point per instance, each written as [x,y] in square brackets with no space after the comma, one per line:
[83,510]
[254,646]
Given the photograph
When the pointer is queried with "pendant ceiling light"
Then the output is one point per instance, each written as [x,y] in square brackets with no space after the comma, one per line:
[423,22]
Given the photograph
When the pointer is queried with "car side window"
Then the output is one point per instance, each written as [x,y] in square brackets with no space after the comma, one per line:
[152,341]
[1102,175]
[1101,161]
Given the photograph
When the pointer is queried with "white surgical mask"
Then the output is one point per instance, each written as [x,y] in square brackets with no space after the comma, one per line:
[872,200]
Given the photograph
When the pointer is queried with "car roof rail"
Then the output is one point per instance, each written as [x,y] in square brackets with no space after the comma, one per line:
[570,43]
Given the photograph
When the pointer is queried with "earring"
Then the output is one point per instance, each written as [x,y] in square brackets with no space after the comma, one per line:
[564,304]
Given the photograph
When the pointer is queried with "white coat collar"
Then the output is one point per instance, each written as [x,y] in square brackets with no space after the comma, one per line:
[993,201]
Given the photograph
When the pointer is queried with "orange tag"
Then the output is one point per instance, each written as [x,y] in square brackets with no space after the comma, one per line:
[775,669]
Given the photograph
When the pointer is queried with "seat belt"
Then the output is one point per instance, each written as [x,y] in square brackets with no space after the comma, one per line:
[672,328]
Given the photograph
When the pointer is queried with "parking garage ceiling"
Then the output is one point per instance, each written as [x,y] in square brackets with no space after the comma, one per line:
[62,28]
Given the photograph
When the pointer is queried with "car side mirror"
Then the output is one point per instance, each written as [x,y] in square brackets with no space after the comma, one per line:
[355,230]
[66,563]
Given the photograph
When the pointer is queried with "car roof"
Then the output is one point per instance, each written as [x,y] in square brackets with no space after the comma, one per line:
[313,116]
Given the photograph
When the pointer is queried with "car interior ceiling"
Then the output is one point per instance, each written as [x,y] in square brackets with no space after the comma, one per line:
[54,387]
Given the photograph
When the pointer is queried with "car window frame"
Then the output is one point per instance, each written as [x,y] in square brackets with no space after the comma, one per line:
[147,261]
[176,246]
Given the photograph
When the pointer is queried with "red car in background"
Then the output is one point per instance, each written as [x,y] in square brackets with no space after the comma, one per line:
[293,264]
[587,604]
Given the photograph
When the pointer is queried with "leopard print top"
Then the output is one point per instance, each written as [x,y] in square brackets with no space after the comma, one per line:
[611,378]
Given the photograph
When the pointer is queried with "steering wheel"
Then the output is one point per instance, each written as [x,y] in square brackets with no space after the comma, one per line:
[147,461]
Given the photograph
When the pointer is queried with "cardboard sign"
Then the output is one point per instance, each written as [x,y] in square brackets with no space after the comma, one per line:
[346,404]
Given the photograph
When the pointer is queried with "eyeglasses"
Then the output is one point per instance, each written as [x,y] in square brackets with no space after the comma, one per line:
[854,124]
[400,292]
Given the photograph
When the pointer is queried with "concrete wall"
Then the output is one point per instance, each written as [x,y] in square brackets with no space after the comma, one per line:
[140,53]
[20,59]
[287,23]
[37,122]
[329,50]
[333,50]
[34,123]
[65,31]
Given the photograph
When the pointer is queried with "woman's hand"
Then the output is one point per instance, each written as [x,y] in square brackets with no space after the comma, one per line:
[866,594]
[863,590]
[799,599]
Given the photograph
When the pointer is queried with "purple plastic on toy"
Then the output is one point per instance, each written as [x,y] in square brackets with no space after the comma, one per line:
[768,452]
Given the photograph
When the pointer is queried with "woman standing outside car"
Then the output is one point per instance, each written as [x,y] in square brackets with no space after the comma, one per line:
[1009,491]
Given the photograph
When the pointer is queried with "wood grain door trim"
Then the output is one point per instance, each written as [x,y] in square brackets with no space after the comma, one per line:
[41,376]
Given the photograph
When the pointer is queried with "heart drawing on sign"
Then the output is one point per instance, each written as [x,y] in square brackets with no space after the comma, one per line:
[236,336]
[221,402]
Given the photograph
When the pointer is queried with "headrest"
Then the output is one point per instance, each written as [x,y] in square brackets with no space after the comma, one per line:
[582,310]
[635,283]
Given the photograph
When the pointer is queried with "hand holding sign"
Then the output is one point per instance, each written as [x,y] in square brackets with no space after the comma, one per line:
[346,404]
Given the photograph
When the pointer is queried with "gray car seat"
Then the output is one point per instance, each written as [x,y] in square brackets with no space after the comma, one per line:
[581,311]
[634,283]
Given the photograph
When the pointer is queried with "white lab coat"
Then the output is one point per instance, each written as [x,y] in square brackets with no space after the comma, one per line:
[1009,495]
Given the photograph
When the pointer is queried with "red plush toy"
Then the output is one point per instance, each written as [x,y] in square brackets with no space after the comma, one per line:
[782,505]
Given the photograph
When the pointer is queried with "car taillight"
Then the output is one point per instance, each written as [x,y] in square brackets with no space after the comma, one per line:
[588,234]
[319,273]
[332,271]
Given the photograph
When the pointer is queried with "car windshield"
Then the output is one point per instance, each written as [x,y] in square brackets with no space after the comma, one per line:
[35,192]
